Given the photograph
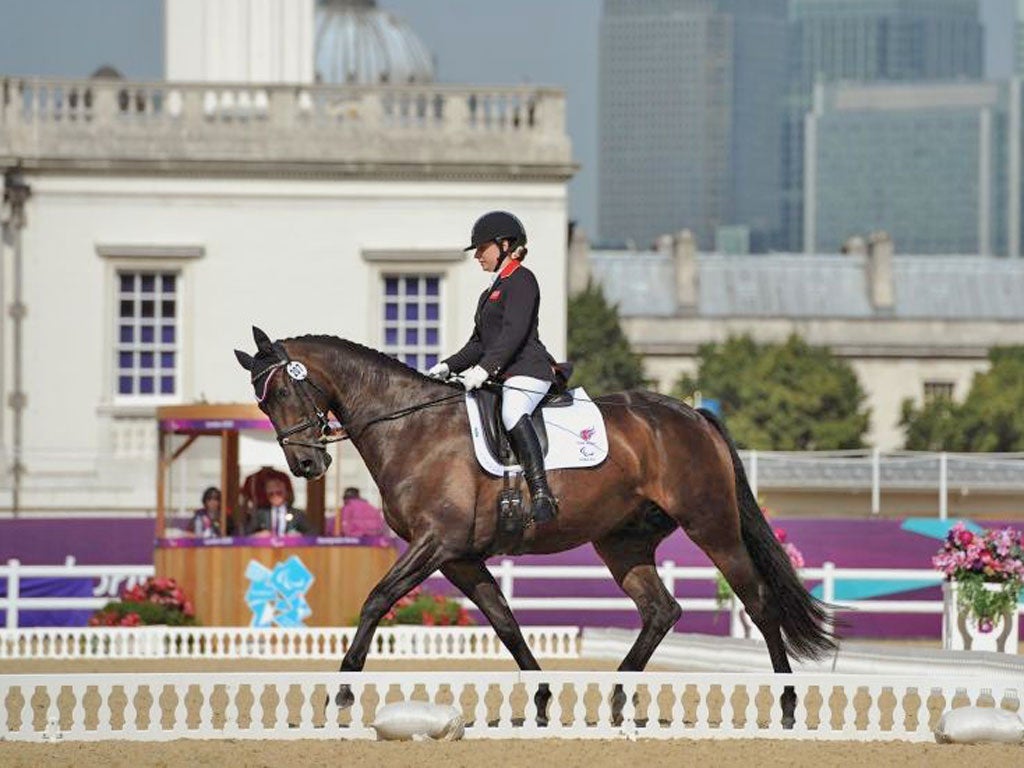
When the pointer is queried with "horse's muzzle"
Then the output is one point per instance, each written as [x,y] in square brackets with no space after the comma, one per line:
[315,467]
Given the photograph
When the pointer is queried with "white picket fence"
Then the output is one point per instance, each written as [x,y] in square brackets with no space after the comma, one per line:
[156,707]
[110,580]
[508,574]
[162,642]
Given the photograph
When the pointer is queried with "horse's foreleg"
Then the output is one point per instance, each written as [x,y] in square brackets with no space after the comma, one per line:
[421,559]
[630,558]
[476,582]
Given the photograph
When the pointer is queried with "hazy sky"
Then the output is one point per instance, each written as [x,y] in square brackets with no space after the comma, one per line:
[554,42]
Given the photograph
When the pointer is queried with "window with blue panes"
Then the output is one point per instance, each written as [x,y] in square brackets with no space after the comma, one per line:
[147,334]
[412,319]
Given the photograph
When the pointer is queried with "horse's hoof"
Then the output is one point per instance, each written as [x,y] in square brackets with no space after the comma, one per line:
[344,698]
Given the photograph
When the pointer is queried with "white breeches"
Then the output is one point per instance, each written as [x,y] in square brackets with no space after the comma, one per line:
[519,397]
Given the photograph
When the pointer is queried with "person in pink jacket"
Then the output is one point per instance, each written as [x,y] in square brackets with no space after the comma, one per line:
[358,517]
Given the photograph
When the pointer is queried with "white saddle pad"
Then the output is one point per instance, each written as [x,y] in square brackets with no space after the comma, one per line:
[576,436]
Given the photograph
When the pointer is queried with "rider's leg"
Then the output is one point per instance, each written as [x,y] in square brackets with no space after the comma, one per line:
[520,396]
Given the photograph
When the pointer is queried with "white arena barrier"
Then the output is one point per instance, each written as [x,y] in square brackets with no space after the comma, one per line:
[157,707]
[164,642]
[710,653]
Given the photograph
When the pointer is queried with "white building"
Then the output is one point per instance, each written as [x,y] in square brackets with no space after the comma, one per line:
[164,219]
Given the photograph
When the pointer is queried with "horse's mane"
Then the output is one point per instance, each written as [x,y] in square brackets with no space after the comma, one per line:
[371,358]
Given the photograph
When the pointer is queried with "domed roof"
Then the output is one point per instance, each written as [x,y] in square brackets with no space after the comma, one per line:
[356,42]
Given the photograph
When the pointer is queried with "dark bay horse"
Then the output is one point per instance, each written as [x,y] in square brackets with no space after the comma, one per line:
[669,466]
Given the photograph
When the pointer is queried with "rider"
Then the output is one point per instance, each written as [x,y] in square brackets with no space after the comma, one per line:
[505,346]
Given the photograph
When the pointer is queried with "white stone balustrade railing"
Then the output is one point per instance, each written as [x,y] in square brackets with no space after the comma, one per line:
[330,643]
[114,121]
[297,705]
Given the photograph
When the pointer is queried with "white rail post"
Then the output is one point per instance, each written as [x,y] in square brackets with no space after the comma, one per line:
[752,474]
[507,578]
[943,485]
[13,592]
[828,586]
[876,482]
[668,576]
[828,581]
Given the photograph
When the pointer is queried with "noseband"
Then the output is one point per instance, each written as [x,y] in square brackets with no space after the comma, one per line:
[300,376]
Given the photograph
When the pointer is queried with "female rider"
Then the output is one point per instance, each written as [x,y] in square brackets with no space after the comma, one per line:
[505,346]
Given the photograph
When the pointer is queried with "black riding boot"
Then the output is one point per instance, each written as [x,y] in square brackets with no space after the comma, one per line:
[527,448]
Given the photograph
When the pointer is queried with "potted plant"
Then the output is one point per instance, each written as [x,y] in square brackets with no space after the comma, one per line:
[740,624]
[984,572]
[422,607]
[156,601]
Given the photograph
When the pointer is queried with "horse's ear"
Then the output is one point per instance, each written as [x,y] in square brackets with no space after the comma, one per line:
[244,359]
[263,343]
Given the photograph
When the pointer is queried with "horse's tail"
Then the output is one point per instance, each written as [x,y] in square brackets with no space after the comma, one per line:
[806,625]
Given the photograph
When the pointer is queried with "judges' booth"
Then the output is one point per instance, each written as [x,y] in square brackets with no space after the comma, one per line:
[257,579]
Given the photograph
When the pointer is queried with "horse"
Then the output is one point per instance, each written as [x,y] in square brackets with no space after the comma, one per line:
[669,466]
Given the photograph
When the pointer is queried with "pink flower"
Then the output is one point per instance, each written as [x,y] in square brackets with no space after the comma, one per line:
[985,626]
[780,534]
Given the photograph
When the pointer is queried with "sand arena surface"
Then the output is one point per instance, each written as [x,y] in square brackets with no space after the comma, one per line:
[470,753]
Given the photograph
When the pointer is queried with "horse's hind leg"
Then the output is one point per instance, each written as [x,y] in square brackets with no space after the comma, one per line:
[421,559]
[476,582]
[735,564]
[629,555]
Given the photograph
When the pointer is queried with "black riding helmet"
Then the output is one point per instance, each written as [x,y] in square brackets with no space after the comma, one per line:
[495,226]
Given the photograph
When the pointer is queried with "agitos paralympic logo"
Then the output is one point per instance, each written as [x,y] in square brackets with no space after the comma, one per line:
[587,450]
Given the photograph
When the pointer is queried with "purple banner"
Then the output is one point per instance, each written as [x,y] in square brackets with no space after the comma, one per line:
[210,425]
[50,617]
[188,542]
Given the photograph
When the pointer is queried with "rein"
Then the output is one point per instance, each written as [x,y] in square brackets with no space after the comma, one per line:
[298,373]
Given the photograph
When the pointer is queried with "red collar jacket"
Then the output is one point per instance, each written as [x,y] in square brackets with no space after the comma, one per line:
[505,341]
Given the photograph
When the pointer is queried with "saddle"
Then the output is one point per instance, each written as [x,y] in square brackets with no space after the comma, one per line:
[514,518]
[495,435]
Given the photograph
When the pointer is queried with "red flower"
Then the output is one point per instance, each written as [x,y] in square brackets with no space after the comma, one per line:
[428,620]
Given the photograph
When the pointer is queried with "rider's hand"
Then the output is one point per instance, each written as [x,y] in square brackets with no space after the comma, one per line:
[474,378]
[439,371]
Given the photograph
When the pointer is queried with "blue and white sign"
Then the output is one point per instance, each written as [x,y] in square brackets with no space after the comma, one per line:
[278,597]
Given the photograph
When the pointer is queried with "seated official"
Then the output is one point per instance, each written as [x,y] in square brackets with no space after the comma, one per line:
[279,518]
[357,517]
[206,520]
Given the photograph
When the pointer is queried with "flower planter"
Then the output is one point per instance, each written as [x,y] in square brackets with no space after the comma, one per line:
[963,632]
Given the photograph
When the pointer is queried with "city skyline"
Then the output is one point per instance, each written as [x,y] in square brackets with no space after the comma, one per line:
[71,38]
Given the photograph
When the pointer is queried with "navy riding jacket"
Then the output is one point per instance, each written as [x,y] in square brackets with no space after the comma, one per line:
[505,341]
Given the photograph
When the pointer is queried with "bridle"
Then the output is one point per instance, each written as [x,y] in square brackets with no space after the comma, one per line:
[300,377]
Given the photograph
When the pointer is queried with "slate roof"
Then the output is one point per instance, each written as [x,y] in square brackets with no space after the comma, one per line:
[812,285]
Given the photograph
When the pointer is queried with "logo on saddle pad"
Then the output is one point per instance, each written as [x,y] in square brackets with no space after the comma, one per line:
[576,435]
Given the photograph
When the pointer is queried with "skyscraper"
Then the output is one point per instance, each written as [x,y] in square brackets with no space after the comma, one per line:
[690,121]
[936,165]
[868,41]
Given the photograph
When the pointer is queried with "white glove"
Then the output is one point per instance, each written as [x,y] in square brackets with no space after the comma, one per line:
[439,371]
[474,378]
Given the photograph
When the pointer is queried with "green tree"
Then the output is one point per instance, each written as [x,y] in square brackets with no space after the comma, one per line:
[782,397]
[991,418]
[598,348]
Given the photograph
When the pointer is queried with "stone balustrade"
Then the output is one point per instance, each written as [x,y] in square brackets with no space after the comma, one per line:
[433,130]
